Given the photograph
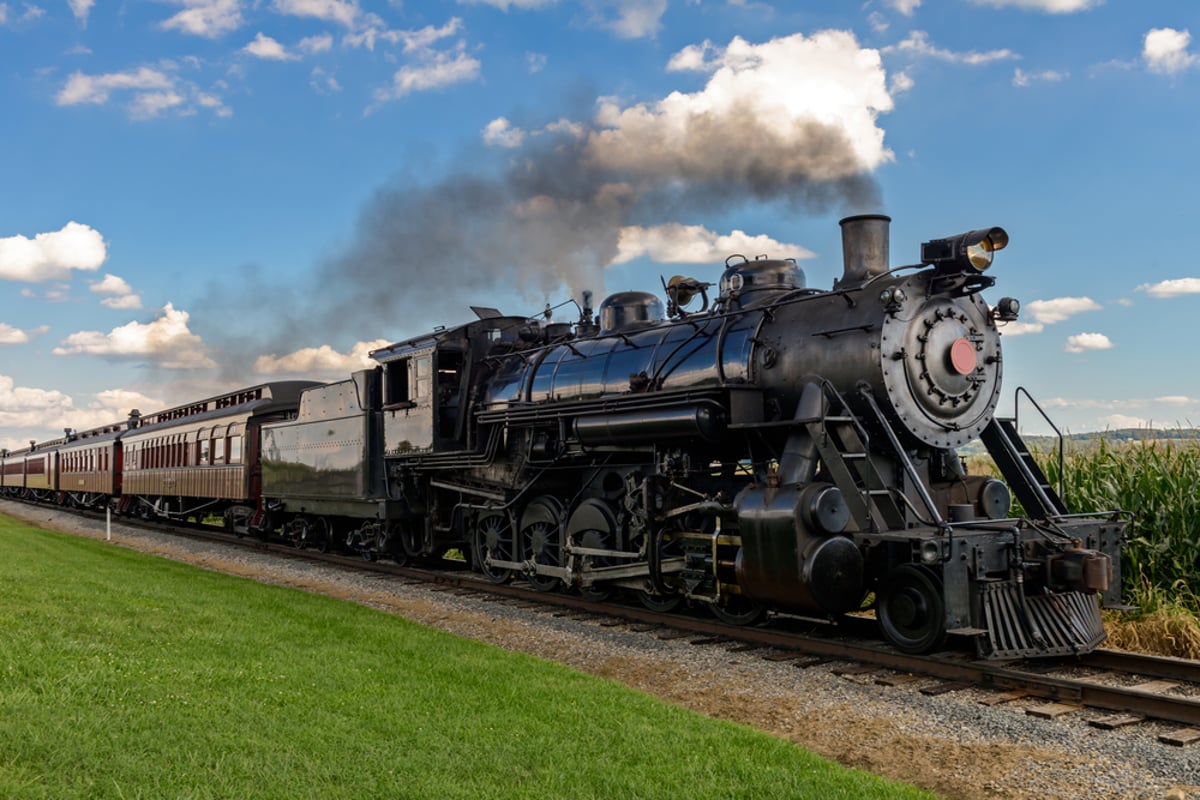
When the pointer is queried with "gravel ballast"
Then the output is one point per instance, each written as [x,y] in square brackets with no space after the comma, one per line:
[950,743]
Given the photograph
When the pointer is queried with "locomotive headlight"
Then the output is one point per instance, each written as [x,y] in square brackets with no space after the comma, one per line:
[968,252]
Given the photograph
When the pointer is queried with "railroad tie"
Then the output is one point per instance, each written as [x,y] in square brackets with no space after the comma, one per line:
[1052,710]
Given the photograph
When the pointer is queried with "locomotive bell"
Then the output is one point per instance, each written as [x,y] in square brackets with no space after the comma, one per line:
[864,248]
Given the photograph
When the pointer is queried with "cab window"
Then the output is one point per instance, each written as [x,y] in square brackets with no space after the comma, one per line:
[423,374]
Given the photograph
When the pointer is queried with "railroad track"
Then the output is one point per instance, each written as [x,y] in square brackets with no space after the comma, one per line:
[1134,688]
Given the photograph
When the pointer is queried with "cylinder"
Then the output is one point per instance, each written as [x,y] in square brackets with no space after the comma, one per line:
[864,247]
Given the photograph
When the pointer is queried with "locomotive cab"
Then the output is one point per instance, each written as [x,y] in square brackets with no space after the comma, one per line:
[427,381]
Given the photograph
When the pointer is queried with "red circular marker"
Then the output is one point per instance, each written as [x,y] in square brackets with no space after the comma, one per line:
[962,356]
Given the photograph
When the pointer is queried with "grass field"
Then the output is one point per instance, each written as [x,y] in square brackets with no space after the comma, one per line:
[126,676]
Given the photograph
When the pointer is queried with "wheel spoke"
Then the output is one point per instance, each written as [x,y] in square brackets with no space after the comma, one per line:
[493,538]
[541,539]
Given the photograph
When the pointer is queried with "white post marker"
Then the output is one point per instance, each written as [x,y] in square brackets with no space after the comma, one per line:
[108,523]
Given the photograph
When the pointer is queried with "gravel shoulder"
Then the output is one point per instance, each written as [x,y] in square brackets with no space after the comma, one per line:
[949,744]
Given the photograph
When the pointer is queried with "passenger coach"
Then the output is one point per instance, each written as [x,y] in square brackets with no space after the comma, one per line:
[202,459]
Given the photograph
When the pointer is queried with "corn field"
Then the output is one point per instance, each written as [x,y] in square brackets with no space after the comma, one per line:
[1159,482]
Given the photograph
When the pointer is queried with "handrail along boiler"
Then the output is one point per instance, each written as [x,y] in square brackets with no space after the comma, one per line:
[779,448]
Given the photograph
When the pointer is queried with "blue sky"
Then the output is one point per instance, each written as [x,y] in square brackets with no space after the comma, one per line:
[202,194]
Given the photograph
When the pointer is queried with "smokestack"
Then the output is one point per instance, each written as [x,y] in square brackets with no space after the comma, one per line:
[864,248]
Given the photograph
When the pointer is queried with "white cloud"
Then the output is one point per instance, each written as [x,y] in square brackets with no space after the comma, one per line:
[905,7]
[1165,51]
[1125,421]
[1022,78]
[58,293]
[214,103]
[1049,6]
[536,62]
[501,133]
[120,294]
[266,48]
[154,90]
[901,82]
[343,13]
[128,302]
[1176,400]
[52,256]
[166,342]
[110,407]
[32,14]
[207,18]
[816,97]
[317,361]
[423,39]
[149,105]
[23,407]
[322,82]
[316,44]
[675,243]
[918,44]
[1082,342]
[11,335]
[81,88]
[1021,328]
[45,413]
[628,19]
[81,9]
[433,71]
[694,57]
[1171,288]
[1049,312]
[505,5]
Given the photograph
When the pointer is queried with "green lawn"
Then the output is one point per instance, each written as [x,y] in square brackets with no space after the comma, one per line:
[123,676]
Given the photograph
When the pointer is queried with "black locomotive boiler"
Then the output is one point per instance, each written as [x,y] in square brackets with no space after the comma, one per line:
[752,446]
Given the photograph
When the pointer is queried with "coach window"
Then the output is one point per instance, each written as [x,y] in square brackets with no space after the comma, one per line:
[235,448]
[218,445]
[202,446]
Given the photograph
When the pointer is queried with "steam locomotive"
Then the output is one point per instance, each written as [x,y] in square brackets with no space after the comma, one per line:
[750,446]
[753,446]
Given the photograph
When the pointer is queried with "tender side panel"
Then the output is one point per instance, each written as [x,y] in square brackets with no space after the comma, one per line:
[323,453]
